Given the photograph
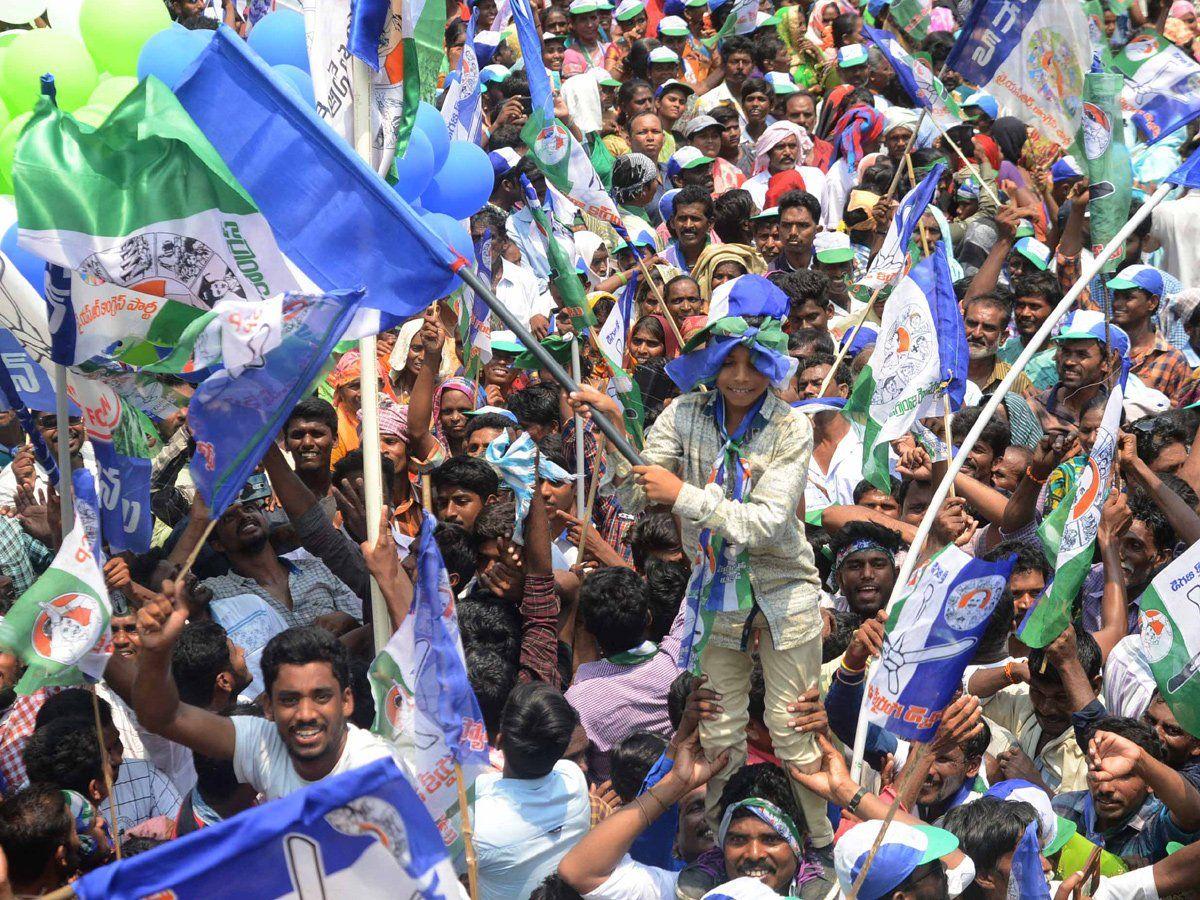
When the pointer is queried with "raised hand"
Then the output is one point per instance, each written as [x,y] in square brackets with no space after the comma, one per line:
[867,642]
[161,619]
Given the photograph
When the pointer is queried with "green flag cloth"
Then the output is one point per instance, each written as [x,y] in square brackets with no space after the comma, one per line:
[1110,175]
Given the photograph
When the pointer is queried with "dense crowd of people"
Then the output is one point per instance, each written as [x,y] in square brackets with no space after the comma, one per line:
[757,176]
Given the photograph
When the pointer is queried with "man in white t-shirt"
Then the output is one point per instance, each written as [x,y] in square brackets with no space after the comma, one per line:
[306,735]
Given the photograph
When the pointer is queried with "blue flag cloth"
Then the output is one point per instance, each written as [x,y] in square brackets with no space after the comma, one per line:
[32,386]
[235,417]
[368,18]
[13,400]
[361,834]
[331,215]
[462,107]
[1026,880]
[1188,174]
[931,636]
[541,93]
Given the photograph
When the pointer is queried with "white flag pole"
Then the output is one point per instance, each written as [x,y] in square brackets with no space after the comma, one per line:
[943,489]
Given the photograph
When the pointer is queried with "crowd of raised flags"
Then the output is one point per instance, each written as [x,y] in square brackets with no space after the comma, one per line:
[862,560]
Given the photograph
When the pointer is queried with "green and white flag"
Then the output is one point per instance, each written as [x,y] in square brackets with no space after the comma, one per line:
[912,16]
[1169,617]
[742,19]
[1162,83]
[1069,533]
[423,23]
[1106,158]
[144,202]
[611,342]
[59,627]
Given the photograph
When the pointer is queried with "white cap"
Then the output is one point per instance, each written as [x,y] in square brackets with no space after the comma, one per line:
[663,55]
[673,26]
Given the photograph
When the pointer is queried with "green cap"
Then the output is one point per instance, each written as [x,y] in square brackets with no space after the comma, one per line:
[558,346]
[506,342]
[1066,831]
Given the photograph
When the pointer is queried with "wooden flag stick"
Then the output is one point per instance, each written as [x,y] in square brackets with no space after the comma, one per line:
[114,808]
[946,426]
[591,500]
[467,833]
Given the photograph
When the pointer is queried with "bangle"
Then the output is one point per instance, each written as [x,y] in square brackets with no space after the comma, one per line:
[1029,474]
[1008,672]
[650,793]
[624,278]
[637,801]
[852,806]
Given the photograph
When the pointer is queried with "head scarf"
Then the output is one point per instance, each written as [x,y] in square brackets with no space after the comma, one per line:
[464,386]
[348,369]
[773,135]
[854,129]
[862,545]
[780,183]
[956,269]
[404,338]
[767,344]
[899,117]
[393,420]
[670,345]
[587,243]
[632,172]
[715,254]
[1010,135]
[1181,8]
[820,33]
[514,461]
[1023,423]
[768,812]
[941,19]
[990,151]
[832,109]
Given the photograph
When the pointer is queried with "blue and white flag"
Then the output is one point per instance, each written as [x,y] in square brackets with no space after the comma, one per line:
[1162,87]
[1031,57]
[12,399]
[1188,174]
[476,310]
[236,412]
[1026,879]
[362,834]
[917,78]
[462,107]
[514,461]
[423,700]
[331,215]
[931,636]
[892,259]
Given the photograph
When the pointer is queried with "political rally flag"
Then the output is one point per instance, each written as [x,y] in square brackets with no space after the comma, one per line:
[360,834]
[271,357]
[612,342]
[916,77]
[742,19]
[931,635]
[571,296]
[562,158]
[1068,534]
[59,627]
[912,16]
[1031,57]
[475,314]
[1162,85]
[1106,161]
[1027,878]
[892,259]
[423,700]
[1169,616]
[11,398]
[1188,173]
[338,221]
[462,108]
[1101,49]
[919,359]
[142,202]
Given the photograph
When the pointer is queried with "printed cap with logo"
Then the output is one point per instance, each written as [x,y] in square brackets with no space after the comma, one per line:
[663,55]
[674,83]
[1053,830]
[629,9]
[686,158]
[673,26]
[904,848]
[506,342]
[1089,325]
[851,55]
[781,83]
[1034,251]
[1154,282]
[504,160]
[832,247]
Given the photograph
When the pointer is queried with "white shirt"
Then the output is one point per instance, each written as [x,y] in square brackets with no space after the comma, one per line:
[814,183]
[261,758]
[524,827]
[634,881]
[518,290]
[836,486]
[249,621]
[172,759]
[1176,225]
[8,478]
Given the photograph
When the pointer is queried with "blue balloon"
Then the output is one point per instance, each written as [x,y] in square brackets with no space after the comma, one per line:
[279,39]
[463,183]
[415,168]
[433,126]
[298,79]
[32,267]
[168,54]
[452,232]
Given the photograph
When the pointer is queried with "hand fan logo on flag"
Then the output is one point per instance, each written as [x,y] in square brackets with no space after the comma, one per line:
[67,627]
[1097,131]
[552,142]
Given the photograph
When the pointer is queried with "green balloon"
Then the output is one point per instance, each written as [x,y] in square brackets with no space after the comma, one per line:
[92,115]
[115,30]
[7,37]
[36,52]
[5,118]
[111,91]
[8,149]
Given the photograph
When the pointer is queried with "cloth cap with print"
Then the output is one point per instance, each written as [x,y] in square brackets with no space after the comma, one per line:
[673,26]
[1154,282]
[781,83]
[744,888]
[851,55]
[486,43]
[904,848]
[1053,830]
[1065,169]
[686,158]
[629,9]
[663,55]
[1089,325]
[493,74]
[666,203]
[1034,251]
[832,247]
[985,103]
[582,7]
[506,342]
[548,36]
[504,160]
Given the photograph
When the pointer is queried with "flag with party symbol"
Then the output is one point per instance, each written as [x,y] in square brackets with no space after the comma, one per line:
[1106,160]
[1169,619]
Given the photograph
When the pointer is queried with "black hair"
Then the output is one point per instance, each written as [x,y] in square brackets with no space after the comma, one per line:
[638,60]
[988,828]
[485,420]
[805,286]
[822,340]
[314,409]
[651,324]
[468,472]
[877,179]
[666,583]
[66,754]
[865,487]
[843,26]
[694,195]
[1174,483]
[73,703]
[1154,434]
[631,760]
[655,531]
[1088,650]
[1132,730]
[737,44]
[34,823]
[1147,512]
[457,549]
[800,198]
[1038,284]
[975,746]
[766,781]
[537,405]
[677,695]
[1001,301]
[515,85]
[537,724]
[487,624]
[613,603]
[360,689]
[937,44]
[504,136]
[554,888]
[995,433]
[857,531]
[731,216]
[198,657]
[754,85]
[841,375]
[766,48]
[840,635]
[625,94]
[135,845]
[495,521]
[351,465]
[1030,557]
[215,777]
[492,678]
[723,113]
[300,646]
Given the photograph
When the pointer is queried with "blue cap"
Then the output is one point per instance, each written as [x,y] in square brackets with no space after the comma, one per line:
[686,158]
[985,103]
[666,204]
[1154,282]
[867,335]
[504,161]
[968,189]
[1065,169]
[901,851]
[1089,325]
[673,8]
[748,295]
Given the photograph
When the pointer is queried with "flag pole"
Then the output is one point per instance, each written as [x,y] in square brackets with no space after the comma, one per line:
[108,782]
[580,455]
[966,162]
[956,463]
[591,502]
[369,382]
[467,832]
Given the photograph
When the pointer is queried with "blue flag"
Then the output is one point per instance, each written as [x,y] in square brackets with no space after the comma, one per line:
[330,213]
[917,78]
[236,413]
[462,107]
[11,399]
[892,259]
[361,834]
[30,382]
[1188,174]
[1026,879]
[931,636]
[368,18]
